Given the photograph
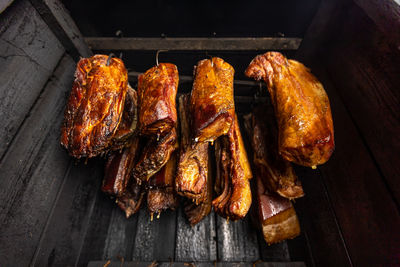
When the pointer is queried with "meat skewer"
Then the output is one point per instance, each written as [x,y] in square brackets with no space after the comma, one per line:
[301,107]
[95,105]
[191,178]
[275,172]
[211,100]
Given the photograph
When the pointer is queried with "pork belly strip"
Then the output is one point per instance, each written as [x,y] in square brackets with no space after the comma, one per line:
[234,174]
[95,106]
[302,108]
[117,179]
[127,127]
[161,195]
[211,100]
[277,216]
[191,178]
[157,89]
[197,212]
[276,173]
[154,155]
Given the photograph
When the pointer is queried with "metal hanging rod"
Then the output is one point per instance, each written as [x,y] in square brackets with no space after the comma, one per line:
[192,44]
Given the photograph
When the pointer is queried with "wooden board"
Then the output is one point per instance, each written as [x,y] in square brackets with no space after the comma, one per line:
[216,44]
[237,241]
[197,243]
[155,240]
[29,52]
[201,264]
[368,86]
[58,19]
[62,241]
[33,171]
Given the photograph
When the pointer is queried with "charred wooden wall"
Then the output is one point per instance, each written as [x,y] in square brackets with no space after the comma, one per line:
[52,212]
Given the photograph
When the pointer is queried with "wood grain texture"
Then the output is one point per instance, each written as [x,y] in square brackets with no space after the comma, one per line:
[237,241]
[155,240]
[197,243]
[63,26]
[29,52]
[197,264]
[368,85]
[62,241]
[33,171]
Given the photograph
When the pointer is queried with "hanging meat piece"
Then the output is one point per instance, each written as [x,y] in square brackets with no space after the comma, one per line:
[95,106]
[233,175]
[211,101]
[127,127]
[276,215]
[117,179]
[301,107]
[197,212]
[191,178]
[276,173]
[154,155]
[157,90]
[161,195]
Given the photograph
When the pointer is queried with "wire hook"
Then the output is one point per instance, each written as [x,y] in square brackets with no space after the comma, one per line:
[158,52]
[110,56]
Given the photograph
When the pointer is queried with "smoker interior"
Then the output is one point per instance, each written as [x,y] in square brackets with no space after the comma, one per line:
[52,212]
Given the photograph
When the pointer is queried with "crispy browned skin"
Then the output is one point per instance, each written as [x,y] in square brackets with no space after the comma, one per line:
[157,90]
[276,173]
[191,178]
[161,195]
[301,106]
[277,216]
[234,174]
[211,100]
[117,179]
[165,178]
[197,212]
[95,106]
[154,155]
[127,127]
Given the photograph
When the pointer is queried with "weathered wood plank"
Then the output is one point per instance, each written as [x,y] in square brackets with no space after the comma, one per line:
[237,241]
[226,44]
[60,22]
[197,264]
[318,221]
[155,240]
[360,198]
[197,243]
[121,235]
[62,241]
[33,170]
[29,52]
[97,232]
[368,85]
[4,4]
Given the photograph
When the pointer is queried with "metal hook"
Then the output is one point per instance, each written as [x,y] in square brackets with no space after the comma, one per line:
[158,52]
[109,58]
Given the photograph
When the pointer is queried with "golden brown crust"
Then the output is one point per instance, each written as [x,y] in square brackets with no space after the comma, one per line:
[127,127]
[95,106]
[301,106]
[211,101]
[157,89]
[233,175]
[191,178]
[276,173]
[154,155]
